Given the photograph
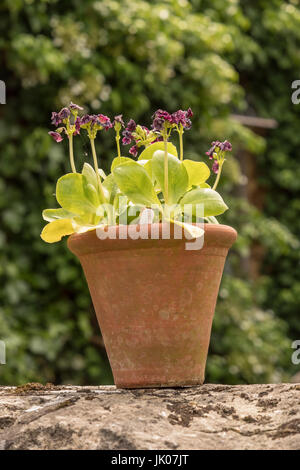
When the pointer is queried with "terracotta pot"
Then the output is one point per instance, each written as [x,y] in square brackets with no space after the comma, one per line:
[154,302]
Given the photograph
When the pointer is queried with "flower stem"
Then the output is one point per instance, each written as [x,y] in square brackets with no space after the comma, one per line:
[71,153]
[166,179]
[180,131]
[218,175]
[97,169]
[118,145]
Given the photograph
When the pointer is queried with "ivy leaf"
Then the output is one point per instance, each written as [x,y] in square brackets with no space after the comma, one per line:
[134,181]
[212,201]
[198,172]
[177,175]
[149,151]
[71,194]
[54,231]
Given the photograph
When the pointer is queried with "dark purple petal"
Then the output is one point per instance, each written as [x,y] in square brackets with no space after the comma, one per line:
[64,113]
[134,150]
[131,126]
[56,136]
[227,147]
[182,117]
[55,119]
[77,126]
[85,119]
[76,107]
[157,124]
[104,121]
[119,119]
[215,167]
[189,113]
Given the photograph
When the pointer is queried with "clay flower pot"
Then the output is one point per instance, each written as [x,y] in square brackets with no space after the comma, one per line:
[154,302]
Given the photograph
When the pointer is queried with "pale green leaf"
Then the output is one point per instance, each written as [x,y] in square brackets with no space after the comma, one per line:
[213,203]
[53,214]
[71,195]
[119,161]
[198,172]
[54,231]
[177,175]
[149,151]
[135,183]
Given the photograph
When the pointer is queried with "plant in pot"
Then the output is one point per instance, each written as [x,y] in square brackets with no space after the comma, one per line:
[149,243]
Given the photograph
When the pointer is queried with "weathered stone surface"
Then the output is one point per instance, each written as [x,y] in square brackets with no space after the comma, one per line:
[206,417]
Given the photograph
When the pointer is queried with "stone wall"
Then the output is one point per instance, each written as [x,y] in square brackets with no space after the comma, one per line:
[208,417]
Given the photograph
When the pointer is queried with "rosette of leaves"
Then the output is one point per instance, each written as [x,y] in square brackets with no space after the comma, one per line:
[143,183]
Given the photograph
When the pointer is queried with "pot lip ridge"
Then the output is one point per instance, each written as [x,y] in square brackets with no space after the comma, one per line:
[217,235]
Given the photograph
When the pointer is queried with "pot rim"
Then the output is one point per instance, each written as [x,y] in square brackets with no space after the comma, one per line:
[217,235]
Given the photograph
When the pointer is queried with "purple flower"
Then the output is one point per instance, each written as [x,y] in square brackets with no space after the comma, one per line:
[55,119]
[77,126]
[127,137]
[64,113]
[189,113]
[119,119]
[127,133]
[223,146]
[103,121]
[159,118]
[133,150]
[161,114]
[75,107]
[85,119]
[56,136]
[131,126]
[215,167]
[182,117]
[226,146]
[157,124]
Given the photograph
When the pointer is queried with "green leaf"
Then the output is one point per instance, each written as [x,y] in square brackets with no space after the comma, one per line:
[71,194]
[177,175]
[90,174]
[54,231]
[212,220]
[193,230]
[119,161]
[149,151]
[53,214]
[101,173]
[198,172]
[91,193]
[212,201]
[147,164]
[110,187]
[134,181]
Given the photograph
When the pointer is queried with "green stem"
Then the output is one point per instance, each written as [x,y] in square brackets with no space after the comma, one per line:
[118,145]
[180,131]
[218,176]
[71,153]
[166,179]
[97,170]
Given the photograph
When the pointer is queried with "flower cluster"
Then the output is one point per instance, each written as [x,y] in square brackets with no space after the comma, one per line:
[217,153]
[178,119]
[141,135]
[71,123]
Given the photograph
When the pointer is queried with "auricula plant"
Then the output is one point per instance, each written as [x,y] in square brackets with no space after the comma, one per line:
[159,179]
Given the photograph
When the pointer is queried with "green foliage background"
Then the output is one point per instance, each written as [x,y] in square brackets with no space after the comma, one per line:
[132,57]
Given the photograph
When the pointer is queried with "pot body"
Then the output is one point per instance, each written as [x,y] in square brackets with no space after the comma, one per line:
[155,302]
